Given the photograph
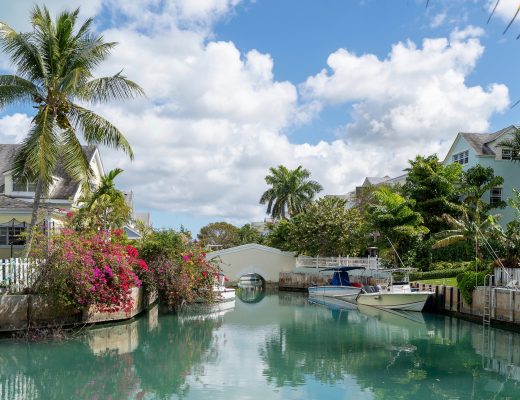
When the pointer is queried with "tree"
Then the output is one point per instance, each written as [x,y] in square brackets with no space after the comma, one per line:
[393,217]
[476,182]
[54,73]
[249,234]
[220,235]
[327,228]
[290,193]
[105,207]
[435,190]
[468,229]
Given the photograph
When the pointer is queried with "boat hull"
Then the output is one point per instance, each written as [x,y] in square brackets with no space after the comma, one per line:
[413,301]
[339,294]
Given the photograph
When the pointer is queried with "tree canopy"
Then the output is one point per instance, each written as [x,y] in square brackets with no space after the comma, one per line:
[219,235]
[290,192]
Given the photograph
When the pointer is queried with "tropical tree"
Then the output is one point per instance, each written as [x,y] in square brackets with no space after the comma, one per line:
[290,193]
[105,207]
[328,228]
[54,66]
[468,229]
[249,234]
[393,218]
[435,189]
[220,235]
[476,182]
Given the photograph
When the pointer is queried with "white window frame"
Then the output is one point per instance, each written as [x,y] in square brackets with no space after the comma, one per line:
[509,154]
[7,234]
[462,157]
[495,195]
[29,187]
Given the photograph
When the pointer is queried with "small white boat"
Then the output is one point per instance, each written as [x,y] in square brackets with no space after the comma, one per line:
[395,297]
[222,293]
[340,289]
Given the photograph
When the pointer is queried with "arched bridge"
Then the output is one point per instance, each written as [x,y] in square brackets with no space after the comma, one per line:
[265,261]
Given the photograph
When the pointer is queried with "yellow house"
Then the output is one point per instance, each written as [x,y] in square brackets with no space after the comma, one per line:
[16,199]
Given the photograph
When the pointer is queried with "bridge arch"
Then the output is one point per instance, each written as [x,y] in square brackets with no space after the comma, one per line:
[265,261]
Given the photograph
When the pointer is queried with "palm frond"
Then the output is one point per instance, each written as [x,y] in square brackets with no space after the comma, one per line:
[97,130]
[15,89]
[448,241]
[73,158]
[106,89]
[512,20]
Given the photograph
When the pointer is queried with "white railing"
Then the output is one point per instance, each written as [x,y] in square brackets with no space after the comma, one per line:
[328,262]
[16,274]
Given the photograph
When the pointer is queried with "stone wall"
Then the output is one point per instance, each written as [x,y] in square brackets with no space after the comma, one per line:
[20,312]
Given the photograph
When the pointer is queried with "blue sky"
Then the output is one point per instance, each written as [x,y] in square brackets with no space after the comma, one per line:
[347,89]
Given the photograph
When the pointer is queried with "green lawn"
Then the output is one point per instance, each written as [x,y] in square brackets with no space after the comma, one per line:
[441,281]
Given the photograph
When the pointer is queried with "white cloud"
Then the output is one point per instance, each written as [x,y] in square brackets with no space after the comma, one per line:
[13,128]
[505,10]
[438,20]
[415,100]
[215,118]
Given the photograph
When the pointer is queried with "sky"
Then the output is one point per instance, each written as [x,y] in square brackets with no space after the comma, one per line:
[347,89]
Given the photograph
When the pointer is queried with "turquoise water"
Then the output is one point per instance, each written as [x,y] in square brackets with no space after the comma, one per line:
[269,346]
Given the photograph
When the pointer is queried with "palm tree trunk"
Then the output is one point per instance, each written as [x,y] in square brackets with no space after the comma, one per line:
[34,217]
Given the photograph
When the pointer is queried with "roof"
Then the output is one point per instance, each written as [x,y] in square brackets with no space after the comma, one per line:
[374,180]
[249,246]
[65,187]
[11,202]
[480,141]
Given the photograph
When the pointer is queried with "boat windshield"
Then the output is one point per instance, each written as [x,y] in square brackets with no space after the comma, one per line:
[340,278]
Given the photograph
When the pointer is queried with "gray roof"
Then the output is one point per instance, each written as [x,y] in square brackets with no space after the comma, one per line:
[480,141]
[65,188]
[10,202]
[374,180]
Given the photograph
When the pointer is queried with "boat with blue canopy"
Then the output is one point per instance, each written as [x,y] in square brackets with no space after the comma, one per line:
[340,289]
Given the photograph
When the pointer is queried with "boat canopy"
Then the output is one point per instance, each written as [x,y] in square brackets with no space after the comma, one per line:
[342,269]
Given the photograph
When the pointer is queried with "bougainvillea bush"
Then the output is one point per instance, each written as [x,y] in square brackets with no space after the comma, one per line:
[182,279]
[88,269]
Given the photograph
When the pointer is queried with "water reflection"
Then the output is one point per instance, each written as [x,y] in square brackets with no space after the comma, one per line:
[299,349]
[250,291]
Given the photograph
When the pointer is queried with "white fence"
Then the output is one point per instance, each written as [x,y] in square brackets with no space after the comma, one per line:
[328,262]
[506,276]
[16,274]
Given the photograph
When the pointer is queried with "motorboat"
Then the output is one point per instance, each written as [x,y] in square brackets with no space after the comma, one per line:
[340,290]
[222,293]
[251,278]
[395,296]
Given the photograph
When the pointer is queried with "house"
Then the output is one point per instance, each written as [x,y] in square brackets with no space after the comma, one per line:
[470,149]
[16,200]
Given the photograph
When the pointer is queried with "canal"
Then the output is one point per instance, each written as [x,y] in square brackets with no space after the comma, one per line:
[275,346]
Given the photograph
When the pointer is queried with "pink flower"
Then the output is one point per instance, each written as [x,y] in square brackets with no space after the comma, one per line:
[142,264]
[186,258]
[132,251]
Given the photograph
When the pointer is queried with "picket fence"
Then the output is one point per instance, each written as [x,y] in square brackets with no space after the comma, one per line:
[17,274]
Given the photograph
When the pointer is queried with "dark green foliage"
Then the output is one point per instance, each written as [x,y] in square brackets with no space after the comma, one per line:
[249,234]
[219,235]
[468,281]
[278,236]
[434,187]
[290,191]
[165,244]
[476,182]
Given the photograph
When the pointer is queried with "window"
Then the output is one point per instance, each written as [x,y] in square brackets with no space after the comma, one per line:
[12,235]
[509,154]
[24,186]
[461,158]
[495,196]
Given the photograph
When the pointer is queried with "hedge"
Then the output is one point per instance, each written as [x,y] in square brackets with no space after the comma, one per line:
[440,273]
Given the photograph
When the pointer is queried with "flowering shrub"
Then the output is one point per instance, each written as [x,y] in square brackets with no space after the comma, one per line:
[84,270]
[182,279]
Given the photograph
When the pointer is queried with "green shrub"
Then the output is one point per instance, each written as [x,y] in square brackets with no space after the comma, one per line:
[467,281]
[443,273]
[444,265]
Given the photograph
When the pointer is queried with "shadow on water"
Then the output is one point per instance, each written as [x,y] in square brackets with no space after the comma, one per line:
[293,346]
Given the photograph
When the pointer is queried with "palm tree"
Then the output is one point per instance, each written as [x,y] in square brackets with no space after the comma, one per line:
[54,72]
[106,206]
[290,193]
[468,229]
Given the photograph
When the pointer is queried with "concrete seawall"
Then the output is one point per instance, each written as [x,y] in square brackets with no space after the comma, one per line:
[21,312]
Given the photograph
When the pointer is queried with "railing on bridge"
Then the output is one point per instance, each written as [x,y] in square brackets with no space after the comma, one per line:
[328,262]
[16,274]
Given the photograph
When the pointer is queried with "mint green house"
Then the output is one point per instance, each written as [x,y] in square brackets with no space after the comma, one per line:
[470,149]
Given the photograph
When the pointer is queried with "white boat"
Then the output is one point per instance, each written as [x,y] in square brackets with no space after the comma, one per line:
[222,293]
[395,297]
[340,289]
[252,277]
